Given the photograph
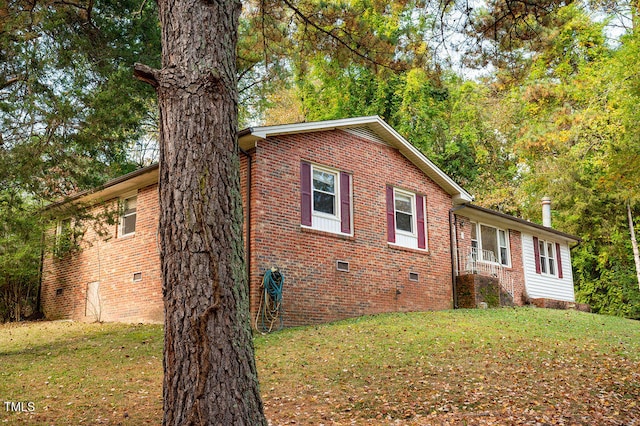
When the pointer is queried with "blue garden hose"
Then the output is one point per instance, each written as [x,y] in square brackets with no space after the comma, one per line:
[270,309]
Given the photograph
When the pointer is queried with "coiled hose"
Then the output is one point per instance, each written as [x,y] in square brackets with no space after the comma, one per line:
[270,309]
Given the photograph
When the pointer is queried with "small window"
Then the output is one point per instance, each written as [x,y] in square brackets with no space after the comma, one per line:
[547,257]
[404,207]
[543,256]
[137,276]
[324,191]
[551,257]
[64,228]
[413,276]
[474,241]
[342,266]
[67,236]
[128,218]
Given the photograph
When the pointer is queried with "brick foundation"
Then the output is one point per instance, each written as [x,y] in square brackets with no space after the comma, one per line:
[560,304]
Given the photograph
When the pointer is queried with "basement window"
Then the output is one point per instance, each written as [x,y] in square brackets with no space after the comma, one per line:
[342,266]
[413,276]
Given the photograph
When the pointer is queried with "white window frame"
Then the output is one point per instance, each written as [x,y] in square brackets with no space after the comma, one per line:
[548,260]
[414,218]
[479,251]
[336,193]
[123,199]
[60,227]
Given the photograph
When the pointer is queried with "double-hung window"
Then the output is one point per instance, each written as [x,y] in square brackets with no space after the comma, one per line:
[404,205]
[65,238]
[406,219]
[63,230]
[325,192]
[547,257]
[325,202]
[489,244]
[128,215]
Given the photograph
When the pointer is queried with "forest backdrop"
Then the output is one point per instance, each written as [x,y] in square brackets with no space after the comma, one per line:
[514,100]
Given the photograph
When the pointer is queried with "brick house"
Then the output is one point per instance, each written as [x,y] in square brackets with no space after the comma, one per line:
[357,220]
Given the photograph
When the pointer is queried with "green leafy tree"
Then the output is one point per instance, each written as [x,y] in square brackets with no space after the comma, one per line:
[70,112]
[572,130]
[20,252]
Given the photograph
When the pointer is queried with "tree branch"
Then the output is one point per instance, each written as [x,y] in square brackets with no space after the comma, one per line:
[146,74]
[8,82]
[355,51]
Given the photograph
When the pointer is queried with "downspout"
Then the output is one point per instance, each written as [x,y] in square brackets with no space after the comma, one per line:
[40,272]
[454,252]
[248,219]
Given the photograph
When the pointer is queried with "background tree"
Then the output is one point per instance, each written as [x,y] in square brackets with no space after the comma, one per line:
[65,121]
[20,251]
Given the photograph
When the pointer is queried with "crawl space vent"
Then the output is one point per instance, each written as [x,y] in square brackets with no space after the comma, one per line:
[342,266]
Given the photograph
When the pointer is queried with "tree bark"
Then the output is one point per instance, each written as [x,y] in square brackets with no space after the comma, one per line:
[210,372]
[634,242]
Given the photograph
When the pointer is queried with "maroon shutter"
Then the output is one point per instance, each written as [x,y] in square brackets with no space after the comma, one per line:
[391,220]
[536,255]
[345,203]
[559,257]
[422,240]
[305,193]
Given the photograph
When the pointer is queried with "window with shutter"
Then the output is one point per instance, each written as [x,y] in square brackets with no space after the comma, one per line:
[325,199]
[406,218]
[548,257]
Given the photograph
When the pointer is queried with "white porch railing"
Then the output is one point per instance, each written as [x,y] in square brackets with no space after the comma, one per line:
[484,262]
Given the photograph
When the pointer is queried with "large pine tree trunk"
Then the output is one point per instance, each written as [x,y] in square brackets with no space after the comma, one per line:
[210,373]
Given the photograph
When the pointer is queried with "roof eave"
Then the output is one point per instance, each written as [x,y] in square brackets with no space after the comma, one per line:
[517,223]
[247,139]
[137,179]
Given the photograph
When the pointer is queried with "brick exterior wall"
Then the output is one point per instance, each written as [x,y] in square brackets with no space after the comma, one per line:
[475,289]
[378,277]
[111,262]
[314,290]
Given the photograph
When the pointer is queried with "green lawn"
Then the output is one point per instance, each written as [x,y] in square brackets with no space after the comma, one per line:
[504,366]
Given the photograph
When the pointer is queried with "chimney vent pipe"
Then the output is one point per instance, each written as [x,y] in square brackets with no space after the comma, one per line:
[546,212]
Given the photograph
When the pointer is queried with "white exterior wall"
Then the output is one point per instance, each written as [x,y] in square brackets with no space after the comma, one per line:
[547,286]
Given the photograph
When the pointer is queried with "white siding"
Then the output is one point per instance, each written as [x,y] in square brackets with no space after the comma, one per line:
[547,286]
[404,240]
[324,223]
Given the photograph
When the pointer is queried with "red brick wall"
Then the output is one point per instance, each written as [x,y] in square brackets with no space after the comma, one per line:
[378,280]
[110,261]
[314,291]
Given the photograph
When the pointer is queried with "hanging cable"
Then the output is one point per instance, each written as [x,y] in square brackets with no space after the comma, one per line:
[270,309]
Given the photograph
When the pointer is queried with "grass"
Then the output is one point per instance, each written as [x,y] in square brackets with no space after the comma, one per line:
[505,366]
[77,373]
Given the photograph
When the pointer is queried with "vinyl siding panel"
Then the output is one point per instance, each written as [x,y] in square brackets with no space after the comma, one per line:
[546,286]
